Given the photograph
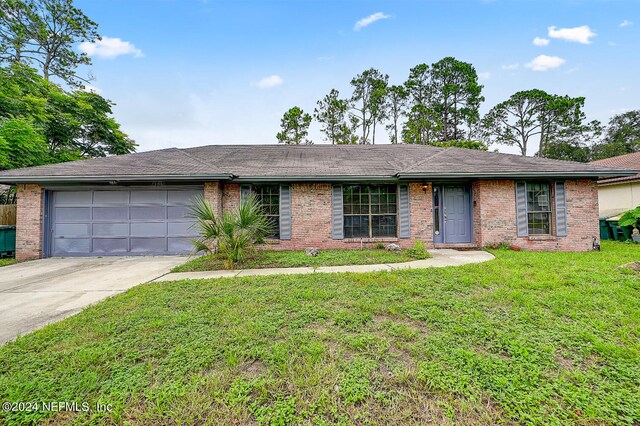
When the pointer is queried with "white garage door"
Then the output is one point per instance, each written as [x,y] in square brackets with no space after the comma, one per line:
[121,222]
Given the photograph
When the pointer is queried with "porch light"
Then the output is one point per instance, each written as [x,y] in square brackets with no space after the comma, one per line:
[425,186]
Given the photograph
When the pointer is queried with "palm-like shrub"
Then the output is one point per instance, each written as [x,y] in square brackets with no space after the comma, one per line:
[233,233]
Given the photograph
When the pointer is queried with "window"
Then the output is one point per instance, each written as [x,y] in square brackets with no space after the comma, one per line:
[539,208]
[370,211]
[269,198]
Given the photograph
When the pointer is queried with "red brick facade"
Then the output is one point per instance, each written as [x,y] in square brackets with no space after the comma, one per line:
[494,217]
[29,222]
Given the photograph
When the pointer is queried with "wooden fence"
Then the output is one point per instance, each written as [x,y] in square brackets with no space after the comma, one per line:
[7,214]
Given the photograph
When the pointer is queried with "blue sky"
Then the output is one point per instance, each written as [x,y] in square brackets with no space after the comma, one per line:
[195,72]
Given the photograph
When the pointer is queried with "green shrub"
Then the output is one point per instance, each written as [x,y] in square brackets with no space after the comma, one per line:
[379,246]
[418,251]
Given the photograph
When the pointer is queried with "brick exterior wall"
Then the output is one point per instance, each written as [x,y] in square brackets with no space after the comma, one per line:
[29,222]
[494,217]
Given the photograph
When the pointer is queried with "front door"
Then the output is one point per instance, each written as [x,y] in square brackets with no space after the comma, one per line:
[456,215]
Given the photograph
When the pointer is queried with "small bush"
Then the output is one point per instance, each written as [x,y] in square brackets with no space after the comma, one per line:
[418,251]
[379,246]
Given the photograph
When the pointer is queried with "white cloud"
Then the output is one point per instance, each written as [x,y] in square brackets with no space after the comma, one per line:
[581,34]
[625,23]
[511,67]
[269,82]
[484,75]
[544,62]
[366,21]
[108,47]
[539,41]
[92,89]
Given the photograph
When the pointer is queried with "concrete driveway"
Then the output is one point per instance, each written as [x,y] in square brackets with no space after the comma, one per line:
[36,293]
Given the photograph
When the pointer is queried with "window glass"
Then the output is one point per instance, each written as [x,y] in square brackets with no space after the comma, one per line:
[369,211]
[539,208]
[269,198]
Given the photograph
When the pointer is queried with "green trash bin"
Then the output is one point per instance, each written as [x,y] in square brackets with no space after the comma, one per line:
[620,233]
[7,240]
[605,230]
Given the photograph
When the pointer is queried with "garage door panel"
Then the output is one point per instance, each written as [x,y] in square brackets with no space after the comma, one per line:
[111,229]
[148,245]
[72,197]
[148,213]
[110,245]
[70,214]
[72,229]
[182,197]
[148,197]
[149,229]
[119,222]
[180,245]
[71,245]
[111,197]
[111,213]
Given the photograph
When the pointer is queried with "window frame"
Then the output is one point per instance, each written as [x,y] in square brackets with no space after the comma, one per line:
[371,216]
[258,191]
[549,213]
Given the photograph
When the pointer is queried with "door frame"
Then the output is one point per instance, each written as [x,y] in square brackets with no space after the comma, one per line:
[441,237]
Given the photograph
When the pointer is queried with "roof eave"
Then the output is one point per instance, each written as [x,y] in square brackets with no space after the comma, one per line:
[118,178]
[523,175]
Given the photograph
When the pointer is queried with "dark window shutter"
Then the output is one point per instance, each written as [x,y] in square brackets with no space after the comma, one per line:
[561,210]
[404,216]
[285,212]
[337,219]
[521,209]
[245,190]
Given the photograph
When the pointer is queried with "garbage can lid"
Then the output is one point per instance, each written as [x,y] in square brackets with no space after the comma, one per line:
[7,227]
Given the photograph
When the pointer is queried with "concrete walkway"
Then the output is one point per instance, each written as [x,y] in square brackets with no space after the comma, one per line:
[439,258]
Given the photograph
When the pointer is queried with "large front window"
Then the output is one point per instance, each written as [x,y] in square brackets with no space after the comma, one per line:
[269,198]
[539,208]
[370,211]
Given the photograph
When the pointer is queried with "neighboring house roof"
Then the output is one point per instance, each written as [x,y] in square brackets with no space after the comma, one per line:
[626,161]
[306,162]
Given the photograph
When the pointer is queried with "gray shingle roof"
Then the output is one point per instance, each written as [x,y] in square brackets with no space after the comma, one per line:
[314,162]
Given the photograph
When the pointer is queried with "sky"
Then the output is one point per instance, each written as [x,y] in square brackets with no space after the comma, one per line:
[197,72]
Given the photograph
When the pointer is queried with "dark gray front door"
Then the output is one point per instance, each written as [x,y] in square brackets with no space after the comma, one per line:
[457,214]
[121,222]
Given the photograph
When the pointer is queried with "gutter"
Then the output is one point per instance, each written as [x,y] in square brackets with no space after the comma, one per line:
[522,175]
[116,178]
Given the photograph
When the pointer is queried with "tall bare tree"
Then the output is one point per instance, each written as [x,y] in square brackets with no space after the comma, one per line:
[367,101]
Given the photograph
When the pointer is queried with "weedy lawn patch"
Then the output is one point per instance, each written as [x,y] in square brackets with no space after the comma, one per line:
[529,338]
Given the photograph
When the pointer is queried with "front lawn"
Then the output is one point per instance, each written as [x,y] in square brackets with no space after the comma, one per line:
[7,261]
[290,259]
[528,338]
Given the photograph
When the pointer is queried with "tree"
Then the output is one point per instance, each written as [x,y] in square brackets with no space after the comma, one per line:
[295,127]
[455,96]
[622,136]
[21,145]
[395,108]
[72,125]
[331,114]
[45,33]
[422,122]
[533,114]
[367,101]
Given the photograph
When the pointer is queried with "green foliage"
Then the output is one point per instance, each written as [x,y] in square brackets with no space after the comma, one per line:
[233,233]
[622,136]
[295,127]
[631,218]
[368,102]
[528,338]
[40,123]
[535,114]
[395,105]
[468,144]
[331,113]
[44,34]
[417,251]
[292,259]
[379,246]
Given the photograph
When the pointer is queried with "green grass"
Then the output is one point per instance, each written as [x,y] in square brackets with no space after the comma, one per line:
[529,338]
[289,259]
[7,261]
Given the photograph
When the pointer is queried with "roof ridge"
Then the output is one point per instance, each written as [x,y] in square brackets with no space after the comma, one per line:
[431,157]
